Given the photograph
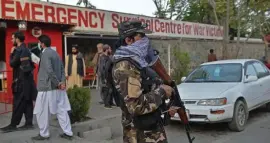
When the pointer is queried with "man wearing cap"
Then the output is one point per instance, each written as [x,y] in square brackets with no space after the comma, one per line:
[140,101]
[75,68]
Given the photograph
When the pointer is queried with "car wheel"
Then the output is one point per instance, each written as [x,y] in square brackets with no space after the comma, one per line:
[268,107]
[240,116]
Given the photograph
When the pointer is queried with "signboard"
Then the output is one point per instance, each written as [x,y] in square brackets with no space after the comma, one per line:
[101,21]
[36,32]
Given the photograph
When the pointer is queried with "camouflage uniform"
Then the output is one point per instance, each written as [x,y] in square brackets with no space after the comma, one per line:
[127,81]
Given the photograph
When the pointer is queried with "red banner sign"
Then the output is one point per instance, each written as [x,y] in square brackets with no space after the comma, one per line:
[101,21]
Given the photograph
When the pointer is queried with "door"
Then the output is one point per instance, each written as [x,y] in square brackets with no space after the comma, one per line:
[251,90]
[3,74]
[264,81]
[2,61]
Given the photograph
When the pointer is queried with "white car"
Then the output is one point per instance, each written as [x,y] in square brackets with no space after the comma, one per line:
[225,91]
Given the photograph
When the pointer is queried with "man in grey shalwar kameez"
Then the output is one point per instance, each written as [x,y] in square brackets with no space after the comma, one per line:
[52,97]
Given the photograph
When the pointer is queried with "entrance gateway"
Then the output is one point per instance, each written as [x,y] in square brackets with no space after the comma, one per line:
[56,20]
[3,74]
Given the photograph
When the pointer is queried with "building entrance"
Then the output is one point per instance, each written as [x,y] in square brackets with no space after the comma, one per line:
[3,60]
[88,46]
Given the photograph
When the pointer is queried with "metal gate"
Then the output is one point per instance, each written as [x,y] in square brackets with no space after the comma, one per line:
[5,99]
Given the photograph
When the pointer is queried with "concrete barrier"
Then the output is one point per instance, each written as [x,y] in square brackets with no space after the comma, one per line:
[100,134]
[114,122]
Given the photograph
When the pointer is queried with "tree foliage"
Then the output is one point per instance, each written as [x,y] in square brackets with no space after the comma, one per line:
[169,9]
[245,15]
[181,69]
[258,11]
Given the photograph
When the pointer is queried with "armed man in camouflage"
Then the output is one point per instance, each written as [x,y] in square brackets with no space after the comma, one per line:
[140,101]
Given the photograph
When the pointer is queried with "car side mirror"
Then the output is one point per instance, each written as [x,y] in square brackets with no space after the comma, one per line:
[183,78]
[250,78]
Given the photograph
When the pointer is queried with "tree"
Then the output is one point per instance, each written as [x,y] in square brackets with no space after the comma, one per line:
[245,16]
[199,11]
[162,8]
[170,9]
[86,3]
[181,69]
[260,9]
[178,9]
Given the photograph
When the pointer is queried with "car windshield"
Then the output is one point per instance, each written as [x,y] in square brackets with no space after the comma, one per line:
[216,73]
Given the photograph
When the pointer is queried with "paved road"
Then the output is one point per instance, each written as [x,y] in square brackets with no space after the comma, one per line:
[257,131]
[96,111]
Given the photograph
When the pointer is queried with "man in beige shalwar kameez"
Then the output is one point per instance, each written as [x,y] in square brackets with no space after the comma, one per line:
[75,68]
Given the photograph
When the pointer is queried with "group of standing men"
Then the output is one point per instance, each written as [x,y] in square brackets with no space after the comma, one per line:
[49,97]
[140,96]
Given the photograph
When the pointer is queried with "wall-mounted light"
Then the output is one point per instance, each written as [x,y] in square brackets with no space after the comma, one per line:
[22,25]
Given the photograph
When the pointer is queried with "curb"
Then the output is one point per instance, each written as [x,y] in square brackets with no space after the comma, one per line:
[114,122]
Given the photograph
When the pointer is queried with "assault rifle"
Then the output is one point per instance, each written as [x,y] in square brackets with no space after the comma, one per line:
[175,99]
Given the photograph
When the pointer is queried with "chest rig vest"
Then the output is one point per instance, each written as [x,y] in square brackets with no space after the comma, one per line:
[149,77]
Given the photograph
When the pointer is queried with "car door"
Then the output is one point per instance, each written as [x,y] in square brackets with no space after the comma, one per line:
[264,81]
[251,90]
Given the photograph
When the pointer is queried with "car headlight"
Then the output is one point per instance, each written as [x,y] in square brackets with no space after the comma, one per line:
[213,102]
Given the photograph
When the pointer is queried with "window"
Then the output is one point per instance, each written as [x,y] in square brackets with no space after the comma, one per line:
[261,71]
[251,71]
[217,73]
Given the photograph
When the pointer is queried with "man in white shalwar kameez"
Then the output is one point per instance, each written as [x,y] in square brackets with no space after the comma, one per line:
[52,97]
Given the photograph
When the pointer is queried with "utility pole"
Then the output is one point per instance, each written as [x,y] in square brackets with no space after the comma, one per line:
[226,31]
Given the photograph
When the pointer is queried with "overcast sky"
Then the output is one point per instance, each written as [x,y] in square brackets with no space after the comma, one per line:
[144,7]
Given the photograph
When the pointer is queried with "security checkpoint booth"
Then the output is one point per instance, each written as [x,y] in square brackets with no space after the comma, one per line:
[68,25]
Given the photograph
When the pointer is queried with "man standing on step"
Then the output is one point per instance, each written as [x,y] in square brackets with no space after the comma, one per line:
[106,86]
[75,68]
[52,97]
[23,86]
